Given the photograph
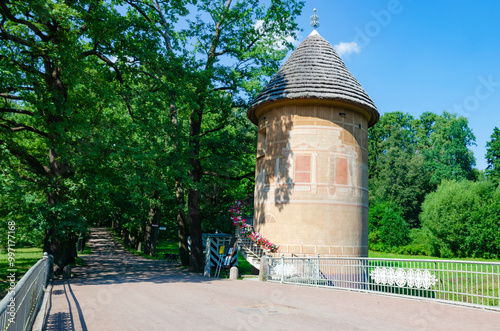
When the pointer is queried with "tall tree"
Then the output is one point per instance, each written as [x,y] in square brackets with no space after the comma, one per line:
[238,48]
[163,75]
[448,155]
[47,66]
[219,61]
[409,158]
[112,109]
[396,172]
[493,156]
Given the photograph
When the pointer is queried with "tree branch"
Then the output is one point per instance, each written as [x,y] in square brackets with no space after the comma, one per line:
[21,127]
[88,53]
[15,111]
[10,96]
[22,66]
[220,127]
[150,75]
[215,40]
[107,61]
[166,34]
[129,108]
[224,88]
[18,40]
[249,175]
[139,9]
[6,11]
[24,88]
[27,159]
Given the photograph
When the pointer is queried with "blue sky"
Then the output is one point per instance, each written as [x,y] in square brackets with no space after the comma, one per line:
[416,56]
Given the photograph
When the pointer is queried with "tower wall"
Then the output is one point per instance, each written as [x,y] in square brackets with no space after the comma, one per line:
[311,192]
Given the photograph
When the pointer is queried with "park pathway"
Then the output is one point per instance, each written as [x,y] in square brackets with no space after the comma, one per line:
[120,291]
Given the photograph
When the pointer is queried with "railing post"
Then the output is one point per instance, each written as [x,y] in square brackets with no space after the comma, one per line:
[46,266]
[317,272]
[282,267]
[51,266]
[263,269]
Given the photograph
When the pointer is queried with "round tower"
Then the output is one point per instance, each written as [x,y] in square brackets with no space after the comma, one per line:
[311,177]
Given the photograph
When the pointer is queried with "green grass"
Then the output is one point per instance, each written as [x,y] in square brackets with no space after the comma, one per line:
[78,260]
[164,247]
[244,268]
[25,259]
[167,247]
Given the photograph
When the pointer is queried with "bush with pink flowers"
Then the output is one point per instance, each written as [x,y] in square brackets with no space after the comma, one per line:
[247,230]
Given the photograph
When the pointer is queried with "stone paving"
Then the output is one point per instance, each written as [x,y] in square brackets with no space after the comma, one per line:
[119,291]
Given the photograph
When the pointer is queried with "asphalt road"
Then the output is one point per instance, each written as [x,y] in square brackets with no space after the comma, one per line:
[119,291]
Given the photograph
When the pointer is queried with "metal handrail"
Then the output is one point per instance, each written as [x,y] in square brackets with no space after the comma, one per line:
[472,283]
[18,308]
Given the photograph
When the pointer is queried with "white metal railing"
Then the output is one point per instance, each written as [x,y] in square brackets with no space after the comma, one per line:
[463,282]
[18,308]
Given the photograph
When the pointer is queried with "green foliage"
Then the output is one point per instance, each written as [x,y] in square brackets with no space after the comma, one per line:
[54,90]
[462,219]
[493,156]
[448,155]
[395,164]
[409,157]
[428,158]
[387,227]
[420,242]
[109,105]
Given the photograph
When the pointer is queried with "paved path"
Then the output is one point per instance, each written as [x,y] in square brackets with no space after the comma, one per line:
[119,291]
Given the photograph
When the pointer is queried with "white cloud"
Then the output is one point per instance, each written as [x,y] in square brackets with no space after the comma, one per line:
[259,26]
[292,40]
[347,48]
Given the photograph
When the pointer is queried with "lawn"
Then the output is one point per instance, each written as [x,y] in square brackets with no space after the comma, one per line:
[244,268]
[25,259]
[164,247]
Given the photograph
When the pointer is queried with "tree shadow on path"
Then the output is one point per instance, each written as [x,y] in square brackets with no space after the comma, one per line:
[108,265]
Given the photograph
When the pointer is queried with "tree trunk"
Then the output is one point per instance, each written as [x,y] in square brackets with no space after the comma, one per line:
[152,225]
[148,235]
[156,231]
[62,248]
[195,229]
[182,232]
[195,173]
[181,223]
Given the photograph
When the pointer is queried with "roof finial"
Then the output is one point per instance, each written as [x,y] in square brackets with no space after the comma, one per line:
[315,20]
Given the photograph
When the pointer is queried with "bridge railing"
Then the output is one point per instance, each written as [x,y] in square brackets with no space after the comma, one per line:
[19,307]
[461,282]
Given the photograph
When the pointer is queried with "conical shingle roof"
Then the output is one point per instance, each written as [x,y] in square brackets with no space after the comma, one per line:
[315,71]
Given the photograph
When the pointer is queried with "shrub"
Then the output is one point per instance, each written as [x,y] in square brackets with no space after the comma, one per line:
[462,219]
[387,226]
